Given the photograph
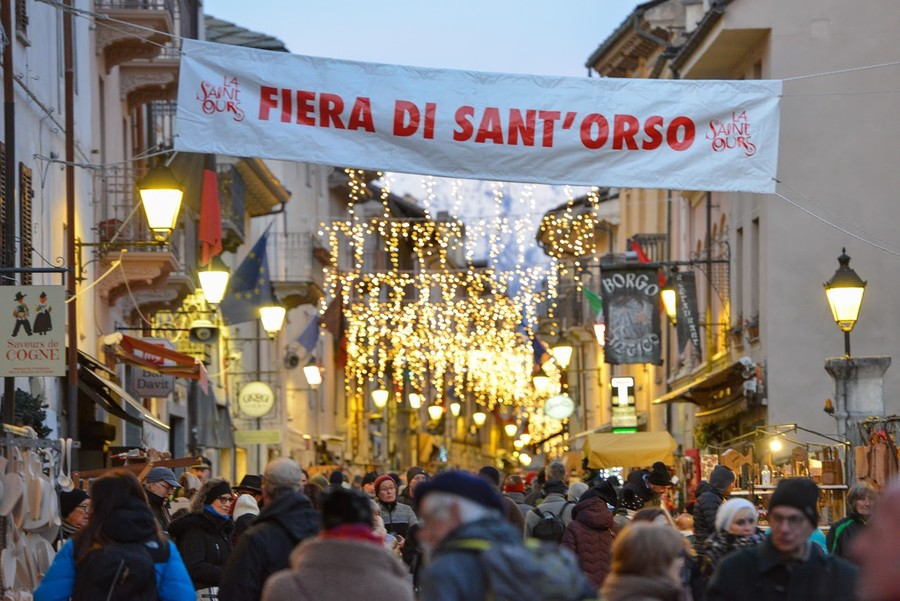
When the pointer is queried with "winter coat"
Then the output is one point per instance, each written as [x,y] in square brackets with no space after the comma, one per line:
[129,524]
[513,515]
[842,533]
[160,508]
[336,569]
[590,536]
[400,519]
[709,499]
[640,588]
[266,546]
[555,503]
[204,541]
[761,574]
[460,574]
[519,498]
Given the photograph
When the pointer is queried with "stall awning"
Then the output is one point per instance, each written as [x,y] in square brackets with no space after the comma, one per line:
[98,386]
[706,389]
[155,358]
[638,449]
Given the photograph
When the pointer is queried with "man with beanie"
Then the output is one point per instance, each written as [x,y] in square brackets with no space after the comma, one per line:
[510,509]
[346,561]
[710,495]
[878,549]
[475,554]
[286,519]
[414,476]
[554,501]
[644,488]
[786,565]
[74,509]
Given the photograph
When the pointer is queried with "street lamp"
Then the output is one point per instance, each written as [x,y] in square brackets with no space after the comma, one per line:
[845,293]
[214,280]
[669,296]
[455,408]
[511,428]
[435,411]
[380,397]
[313,373]
[479,417]
[541,382]
[161,195]
[562,353]
[272,317]
[415,400]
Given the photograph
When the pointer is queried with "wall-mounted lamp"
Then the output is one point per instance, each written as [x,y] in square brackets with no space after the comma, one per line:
[455,408]
[525,459]
[479,417]
[541,383]
[511,428]
[313,373]
[415,400]
[525,437]
[380,397]
[272,317]
[435,412]
[669,296]
[161,195]
[562,353]
[214,280]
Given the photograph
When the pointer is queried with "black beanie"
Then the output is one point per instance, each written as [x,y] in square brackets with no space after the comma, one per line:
[219,490]
[799,493]
[659,475]
[721,477]
[491,474]
[68,501]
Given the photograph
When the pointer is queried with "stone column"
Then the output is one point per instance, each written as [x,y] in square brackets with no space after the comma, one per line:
[859,394]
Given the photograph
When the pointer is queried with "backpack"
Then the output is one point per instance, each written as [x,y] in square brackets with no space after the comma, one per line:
[120,571]
[551,526]
[533,570]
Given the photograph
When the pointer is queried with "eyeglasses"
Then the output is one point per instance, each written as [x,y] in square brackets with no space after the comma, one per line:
[225,499]
[744,522]
[791,520]
[85,507]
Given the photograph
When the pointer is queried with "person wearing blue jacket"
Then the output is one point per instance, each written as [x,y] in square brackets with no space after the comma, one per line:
[120,514]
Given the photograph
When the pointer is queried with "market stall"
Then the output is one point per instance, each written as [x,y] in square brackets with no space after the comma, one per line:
[637,449]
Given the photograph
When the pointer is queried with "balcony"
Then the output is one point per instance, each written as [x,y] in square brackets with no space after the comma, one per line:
[264,194]
[295,273]
[151,24]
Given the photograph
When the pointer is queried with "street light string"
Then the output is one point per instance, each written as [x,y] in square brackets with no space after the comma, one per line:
[100,166]
[842,71]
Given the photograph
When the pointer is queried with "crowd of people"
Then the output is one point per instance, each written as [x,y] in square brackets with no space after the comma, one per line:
[464,536]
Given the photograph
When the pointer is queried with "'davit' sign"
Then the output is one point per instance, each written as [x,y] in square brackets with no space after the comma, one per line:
[34,331]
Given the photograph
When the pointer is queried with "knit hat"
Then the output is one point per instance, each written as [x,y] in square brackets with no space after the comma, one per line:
[245,504]
[250,482]
[336,477]
[576,489]
[415,471]
[730,510]
[514,484]
[369,478]
[721,477]
[491,474]
[283,472]
[381,479]
[800,493]
[659,475]
[455,482]
[162,474]
[68,501]
[220,489]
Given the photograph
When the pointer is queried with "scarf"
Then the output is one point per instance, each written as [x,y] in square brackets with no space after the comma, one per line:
[362,532]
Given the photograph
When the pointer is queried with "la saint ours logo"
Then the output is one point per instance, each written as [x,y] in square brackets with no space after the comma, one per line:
[728,135]
[221,97]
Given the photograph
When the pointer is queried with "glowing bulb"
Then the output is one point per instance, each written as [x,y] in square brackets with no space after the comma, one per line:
[775,445]
[525,459]
[380,397]
[415,400]
[511,428]
[525,437]
[435,412]
[479,417]
[518,444]
[455,408]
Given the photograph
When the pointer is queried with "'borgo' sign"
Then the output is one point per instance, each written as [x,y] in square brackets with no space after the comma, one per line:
[674,134]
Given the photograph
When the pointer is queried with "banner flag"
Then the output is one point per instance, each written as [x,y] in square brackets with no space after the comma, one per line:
[631,312]
[250,287]
[687,319]
[635,133]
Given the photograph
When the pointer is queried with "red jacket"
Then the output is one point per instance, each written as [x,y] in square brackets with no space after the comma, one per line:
[590,536]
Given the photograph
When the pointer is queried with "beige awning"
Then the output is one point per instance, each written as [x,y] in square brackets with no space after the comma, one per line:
[636,449]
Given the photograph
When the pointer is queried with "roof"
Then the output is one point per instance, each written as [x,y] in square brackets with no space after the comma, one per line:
[224,32]
[627,26]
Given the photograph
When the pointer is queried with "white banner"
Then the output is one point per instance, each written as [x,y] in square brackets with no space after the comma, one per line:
[637,133]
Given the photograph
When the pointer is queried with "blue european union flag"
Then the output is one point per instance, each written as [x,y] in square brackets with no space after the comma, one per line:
[249,287]
[309,337]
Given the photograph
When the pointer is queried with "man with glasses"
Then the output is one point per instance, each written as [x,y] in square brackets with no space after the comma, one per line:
[786,565]
[74,509]
[159,485]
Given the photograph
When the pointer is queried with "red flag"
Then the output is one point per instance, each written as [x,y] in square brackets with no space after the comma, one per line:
[210,216]
[333,321]
[643,258]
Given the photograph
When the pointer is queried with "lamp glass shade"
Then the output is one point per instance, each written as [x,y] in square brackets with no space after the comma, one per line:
[775,445]
[479,417]
[525,459]
[541,383]
[559,407]
[161,195]
[511,429]
[313,374]
[214,281]
[380,397]
[455,408]
[518,444]
[600,333]
[435,412]
[415,400]
[525,437]
[562,353]
[668,296]
[272,318]
[845,294]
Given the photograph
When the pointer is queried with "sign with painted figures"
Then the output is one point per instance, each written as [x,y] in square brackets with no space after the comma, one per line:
[631,314]
[638,133]
[34,334]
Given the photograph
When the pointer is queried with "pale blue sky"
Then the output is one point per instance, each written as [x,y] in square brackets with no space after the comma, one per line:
[508,36]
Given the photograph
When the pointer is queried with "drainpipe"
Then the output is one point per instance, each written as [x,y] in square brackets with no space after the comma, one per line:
[9,190]
[709,283]
[72,316]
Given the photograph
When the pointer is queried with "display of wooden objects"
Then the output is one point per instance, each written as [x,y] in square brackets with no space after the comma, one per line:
[734,460]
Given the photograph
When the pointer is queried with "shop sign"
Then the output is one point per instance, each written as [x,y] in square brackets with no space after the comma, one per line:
[34,331]
[631,314]
[149,384]
[250,437]
[256,399]
[687,321]
[624,417]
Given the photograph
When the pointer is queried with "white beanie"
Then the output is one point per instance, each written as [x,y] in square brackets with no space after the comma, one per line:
[576,489]
[730,509]
[245,504]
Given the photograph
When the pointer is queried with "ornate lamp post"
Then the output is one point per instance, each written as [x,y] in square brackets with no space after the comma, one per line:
[845,292]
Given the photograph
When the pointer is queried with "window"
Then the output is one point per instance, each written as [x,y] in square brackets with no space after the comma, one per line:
[22,22]
[26,196]
[754,267]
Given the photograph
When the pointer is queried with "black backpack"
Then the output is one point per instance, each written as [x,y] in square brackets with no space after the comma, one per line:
[551,526]
[120,571]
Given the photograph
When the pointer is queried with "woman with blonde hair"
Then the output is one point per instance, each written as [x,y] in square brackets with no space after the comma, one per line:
[647,560]
[860,503]
[735,529]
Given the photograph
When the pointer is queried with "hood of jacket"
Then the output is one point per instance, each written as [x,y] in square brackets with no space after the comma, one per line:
[321,555]
[202,520]
[706,487]
[593,513]
[492,529]
[294,513]
[133,522]
[639,588]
